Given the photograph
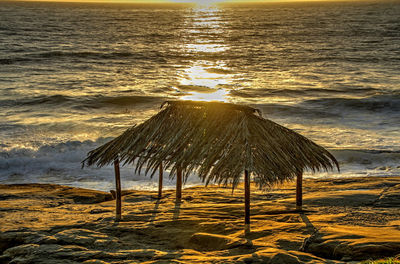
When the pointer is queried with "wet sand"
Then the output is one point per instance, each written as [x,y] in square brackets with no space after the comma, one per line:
[344,220]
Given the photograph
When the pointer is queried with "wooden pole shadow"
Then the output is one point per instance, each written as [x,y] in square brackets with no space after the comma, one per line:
[177,210]
[311,229]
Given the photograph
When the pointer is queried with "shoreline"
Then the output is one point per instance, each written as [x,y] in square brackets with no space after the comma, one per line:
[344,220]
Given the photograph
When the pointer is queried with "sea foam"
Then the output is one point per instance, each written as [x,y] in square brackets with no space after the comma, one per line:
[61,164]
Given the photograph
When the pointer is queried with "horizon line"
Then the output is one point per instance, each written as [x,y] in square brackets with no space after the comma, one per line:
[191,2]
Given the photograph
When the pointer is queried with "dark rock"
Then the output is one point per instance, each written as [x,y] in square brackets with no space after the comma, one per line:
[343,250]
[87,238]
[375,250]
[329,249]
[83,196]
[390,197]
[100,211]
[33,253]
[281,257]
[188,198]
[354,198]
[55,192]
[14,238]
[212,242]
[277,256]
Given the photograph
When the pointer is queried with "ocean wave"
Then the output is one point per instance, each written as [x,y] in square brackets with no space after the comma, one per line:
[12,60]
[377,103]
[82,102]
[124,100]
[154,56]
[148,55]
[39,100]
[331,107]
[370,157]
[268,92]
[325,107]
[282,110]
[61,163]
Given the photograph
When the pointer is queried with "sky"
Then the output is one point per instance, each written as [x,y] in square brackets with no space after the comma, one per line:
[201,2]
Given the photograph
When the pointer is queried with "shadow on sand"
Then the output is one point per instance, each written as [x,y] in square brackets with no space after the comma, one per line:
[311,229]
[177,210]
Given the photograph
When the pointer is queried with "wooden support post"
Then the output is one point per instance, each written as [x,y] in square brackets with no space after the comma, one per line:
[178,184]
[246,199]
[299,191]
[118,190]
[160,181]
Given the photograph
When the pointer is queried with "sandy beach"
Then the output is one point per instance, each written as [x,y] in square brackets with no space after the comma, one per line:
[344,220]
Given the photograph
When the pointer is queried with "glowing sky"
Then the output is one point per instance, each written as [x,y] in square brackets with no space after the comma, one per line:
[199,2]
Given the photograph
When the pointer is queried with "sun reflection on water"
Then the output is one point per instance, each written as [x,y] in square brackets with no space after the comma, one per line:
[201,4]
[207,47]
[207,77]
[201,75]
[219,95]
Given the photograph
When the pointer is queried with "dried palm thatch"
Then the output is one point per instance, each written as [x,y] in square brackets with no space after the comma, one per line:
[218,141]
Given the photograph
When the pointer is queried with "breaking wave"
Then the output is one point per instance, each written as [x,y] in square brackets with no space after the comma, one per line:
[61,163]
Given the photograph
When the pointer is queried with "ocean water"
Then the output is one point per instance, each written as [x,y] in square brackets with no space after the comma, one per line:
[73,76]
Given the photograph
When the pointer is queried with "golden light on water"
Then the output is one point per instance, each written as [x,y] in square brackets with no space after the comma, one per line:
[219,95]
[205,79]
[203,76]
[211,48]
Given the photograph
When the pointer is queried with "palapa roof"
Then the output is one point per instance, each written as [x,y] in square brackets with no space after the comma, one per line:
[218,141]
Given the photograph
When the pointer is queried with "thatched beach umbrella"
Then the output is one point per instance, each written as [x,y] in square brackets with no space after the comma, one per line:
[218,141]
